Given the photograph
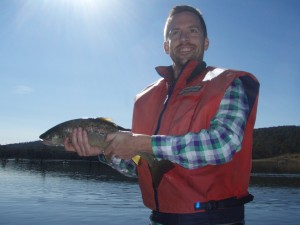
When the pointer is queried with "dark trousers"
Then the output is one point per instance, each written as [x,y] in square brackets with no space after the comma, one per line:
[228,216]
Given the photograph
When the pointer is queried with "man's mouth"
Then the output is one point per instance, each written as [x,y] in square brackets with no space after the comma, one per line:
[185,49]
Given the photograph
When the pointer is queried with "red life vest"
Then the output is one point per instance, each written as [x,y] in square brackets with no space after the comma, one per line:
[194,101]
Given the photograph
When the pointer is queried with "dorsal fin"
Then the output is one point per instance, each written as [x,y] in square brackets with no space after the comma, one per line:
[111,121]
[105,118]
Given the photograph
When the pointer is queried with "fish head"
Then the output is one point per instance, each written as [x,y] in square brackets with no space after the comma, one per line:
[52,139]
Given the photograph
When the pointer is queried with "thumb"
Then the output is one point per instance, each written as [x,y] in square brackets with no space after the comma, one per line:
[110,137]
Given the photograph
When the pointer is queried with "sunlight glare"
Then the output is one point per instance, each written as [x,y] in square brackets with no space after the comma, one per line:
[86,7]
[71,21]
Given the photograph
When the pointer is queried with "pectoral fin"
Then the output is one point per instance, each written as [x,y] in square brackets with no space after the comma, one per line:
[157,168]
[136,159]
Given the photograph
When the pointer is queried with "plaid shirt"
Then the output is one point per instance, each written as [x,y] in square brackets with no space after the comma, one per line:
[213,146]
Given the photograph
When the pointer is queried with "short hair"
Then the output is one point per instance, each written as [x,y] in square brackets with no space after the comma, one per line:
[184,8]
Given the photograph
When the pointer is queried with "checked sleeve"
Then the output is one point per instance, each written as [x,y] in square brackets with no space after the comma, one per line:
[125,167]
[212,146]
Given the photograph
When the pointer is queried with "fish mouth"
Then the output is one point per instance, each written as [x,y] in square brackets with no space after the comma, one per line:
[47,142]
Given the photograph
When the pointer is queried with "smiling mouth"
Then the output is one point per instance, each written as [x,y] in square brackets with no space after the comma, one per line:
[185,50]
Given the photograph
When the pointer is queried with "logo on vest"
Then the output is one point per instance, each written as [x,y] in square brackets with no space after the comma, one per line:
[191,89]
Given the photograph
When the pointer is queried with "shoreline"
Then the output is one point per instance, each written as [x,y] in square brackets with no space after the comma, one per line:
[285,158]
[287,163]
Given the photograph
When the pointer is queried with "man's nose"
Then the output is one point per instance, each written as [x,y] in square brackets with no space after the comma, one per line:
[184,36]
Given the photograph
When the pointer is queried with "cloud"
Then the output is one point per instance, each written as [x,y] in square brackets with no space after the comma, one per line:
[23,89]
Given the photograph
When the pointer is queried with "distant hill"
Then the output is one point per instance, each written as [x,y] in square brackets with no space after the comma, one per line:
[37,150]
[275,141]
[267,142]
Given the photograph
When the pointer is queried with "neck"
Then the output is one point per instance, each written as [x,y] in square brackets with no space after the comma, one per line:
[177,70]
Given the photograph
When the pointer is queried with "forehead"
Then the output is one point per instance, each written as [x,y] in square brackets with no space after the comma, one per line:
[184,19]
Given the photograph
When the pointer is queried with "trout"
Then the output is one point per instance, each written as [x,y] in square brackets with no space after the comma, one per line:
[97,130]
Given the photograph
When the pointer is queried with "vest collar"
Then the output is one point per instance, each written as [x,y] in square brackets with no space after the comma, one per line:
[189,71]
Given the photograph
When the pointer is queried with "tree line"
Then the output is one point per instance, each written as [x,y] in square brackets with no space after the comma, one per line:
[37,150]
[267,142]
[275,141]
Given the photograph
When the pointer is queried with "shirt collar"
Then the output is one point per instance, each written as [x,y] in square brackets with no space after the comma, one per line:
[190,70]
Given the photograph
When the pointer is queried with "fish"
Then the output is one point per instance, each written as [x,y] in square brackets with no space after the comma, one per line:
[97,130]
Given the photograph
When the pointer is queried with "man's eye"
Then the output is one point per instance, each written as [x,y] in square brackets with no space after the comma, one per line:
[194,30]
[174,33]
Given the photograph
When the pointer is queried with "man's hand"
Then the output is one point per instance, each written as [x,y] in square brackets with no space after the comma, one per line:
[79,143]
[122,144]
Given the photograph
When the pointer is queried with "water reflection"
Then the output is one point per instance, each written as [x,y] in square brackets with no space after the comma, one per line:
[77,192]
[265,174]
[62,192]
[91,170]
[275,180]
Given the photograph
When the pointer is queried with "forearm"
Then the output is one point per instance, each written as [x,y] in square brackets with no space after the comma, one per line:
[124,146]
[191,153]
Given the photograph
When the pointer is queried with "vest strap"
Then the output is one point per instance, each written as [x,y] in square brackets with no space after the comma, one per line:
[224,203]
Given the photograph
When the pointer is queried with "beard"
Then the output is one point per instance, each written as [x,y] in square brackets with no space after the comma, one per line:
[182,54]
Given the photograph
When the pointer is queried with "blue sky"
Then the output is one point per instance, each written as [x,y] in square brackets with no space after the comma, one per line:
[67,59]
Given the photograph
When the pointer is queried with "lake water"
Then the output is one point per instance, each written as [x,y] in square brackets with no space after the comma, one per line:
[57,192]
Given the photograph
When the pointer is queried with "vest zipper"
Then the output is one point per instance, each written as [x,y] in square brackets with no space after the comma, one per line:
[164,108]
[170,91]
[196,71]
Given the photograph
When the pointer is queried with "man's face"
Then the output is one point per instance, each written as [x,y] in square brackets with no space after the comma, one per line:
[185,39]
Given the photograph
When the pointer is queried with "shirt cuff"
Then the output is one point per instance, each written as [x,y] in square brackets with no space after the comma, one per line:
[162,147]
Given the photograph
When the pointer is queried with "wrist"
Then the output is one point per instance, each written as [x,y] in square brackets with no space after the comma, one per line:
[143,143]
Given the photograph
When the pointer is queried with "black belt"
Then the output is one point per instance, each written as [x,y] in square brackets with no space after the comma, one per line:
[224,203]
[231,215]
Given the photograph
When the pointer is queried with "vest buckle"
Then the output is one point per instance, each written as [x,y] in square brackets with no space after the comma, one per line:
[211,205]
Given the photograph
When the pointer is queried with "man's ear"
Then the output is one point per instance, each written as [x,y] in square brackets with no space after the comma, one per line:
[206,44]
[166,47]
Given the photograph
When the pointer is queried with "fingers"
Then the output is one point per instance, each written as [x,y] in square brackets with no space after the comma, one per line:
[74,140]
[79,143]
[68,145]
[75,143]
[110,137]
[85,140]
[119,144]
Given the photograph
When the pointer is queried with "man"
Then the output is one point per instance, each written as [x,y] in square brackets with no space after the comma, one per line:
[201,119]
